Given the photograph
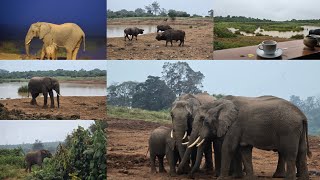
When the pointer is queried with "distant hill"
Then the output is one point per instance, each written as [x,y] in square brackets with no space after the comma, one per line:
[51,146]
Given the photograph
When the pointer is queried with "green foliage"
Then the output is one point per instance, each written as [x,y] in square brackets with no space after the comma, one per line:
[218,96]
[23,89]
[153,94]
[121,94]
[223,32]
[8,171]
[11,160]
[181,79]
[298,36]
[139,114]
[37,145]
[9,47]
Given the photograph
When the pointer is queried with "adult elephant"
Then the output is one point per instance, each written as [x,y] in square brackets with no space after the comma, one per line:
[44,85]
[36,157]
[67,35]
[183,112]
[267,123]
[236,165]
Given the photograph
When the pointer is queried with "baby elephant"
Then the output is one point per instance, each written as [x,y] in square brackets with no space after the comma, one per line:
[133,32]
[170,35]
[36,157]
[51,51]
[160,145]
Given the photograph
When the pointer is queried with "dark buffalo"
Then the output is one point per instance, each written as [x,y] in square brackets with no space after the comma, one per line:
[314,31]
[133,32]
[170,35]
[163,27]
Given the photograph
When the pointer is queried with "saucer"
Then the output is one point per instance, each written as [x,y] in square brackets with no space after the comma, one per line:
[261,53]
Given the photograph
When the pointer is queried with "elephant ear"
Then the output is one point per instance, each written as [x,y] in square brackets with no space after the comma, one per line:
[227,114]
[44,30]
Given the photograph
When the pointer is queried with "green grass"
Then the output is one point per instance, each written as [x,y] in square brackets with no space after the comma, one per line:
[139,114]
[23,89]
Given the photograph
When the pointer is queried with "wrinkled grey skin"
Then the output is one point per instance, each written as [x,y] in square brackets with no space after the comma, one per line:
[163,27]
[170,35]
[133,32]
[44,85]
[267,123]
[314,31]
[160,145]
[183,112]
[236,165]
[67,35]
[36,157]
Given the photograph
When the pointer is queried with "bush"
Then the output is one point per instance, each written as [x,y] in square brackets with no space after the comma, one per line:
[298,36]
[223,32]
[23,89]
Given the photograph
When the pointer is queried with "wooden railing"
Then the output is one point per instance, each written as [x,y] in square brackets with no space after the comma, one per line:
[291,50]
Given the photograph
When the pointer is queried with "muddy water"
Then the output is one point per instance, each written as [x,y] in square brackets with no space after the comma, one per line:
[117,30]
[286,34]
[10,90]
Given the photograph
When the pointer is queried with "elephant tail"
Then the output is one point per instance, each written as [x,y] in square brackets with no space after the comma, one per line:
[84,42]
[305,126]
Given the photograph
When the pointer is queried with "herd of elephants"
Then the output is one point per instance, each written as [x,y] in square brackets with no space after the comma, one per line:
[232,125]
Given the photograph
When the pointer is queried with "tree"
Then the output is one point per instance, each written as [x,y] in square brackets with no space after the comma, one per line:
[155,7]
[140,12]
[163,12]
[149,9]
[37,145]
[211,12]
[153,94]
[172,14]
[181,79]
[121,94]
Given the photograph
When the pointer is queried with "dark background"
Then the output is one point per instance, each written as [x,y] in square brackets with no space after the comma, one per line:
[16,16]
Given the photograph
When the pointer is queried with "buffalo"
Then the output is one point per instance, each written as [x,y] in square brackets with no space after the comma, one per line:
[163,27]
[170,35]
[133,32]
[315,32]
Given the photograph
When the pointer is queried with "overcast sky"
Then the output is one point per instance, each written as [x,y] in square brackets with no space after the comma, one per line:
[269,9]
[27,131]
[52,65]
[200,7]
[245,78]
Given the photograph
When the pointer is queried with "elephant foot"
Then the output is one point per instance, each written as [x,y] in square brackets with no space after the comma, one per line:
[223,178]
[237,175]
[278,175]
[173,174]
[162,171]
[191,176]
[251,177]
[52,106]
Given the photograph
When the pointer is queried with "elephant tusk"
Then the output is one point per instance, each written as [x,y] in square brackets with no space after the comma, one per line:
[199,144]
[171,135]
[58,94]
[194,143]
[185,143]
[185,135]
[28,42]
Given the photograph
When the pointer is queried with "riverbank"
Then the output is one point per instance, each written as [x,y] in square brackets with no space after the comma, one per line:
[66,79]
[71,107]
[198,41]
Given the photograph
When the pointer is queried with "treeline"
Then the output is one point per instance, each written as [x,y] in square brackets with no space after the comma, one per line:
[4,74]
[157,93]
[311,108]
[51,146]
[152,10]
[250,19]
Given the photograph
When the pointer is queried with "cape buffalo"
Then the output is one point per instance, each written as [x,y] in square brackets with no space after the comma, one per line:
[170,35]
[163,27]
[133,32]
[314,31]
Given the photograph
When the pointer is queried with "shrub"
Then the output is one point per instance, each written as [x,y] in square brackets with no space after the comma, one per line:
[298,36]
[23,89]
[223,33]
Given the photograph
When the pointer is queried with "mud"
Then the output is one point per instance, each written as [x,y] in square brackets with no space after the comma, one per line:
[128,145]
[198,43]
[71,107]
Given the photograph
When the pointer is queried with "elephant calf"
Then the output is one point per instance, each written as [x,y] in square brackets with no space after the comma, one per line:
[160,145]
[36,157]
[51,51]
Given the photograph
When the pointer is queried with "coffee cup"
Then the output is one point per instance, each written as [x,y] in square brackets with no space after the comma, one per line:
[268,47]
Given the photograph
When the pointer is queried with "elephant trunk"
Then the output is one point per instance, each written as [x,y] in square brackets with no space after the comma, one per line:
[28,39]
[196,165]
[57,89]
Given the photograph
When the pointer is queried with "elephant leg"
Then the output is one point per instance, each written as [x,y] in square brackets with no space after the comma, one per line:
[161,166]
[290,152]
[281,169]
[75,51]
[301,162]
[208,158]
[51,99]
[171,42]
[246,153]
[42,53]
[69,54]
[172,158]
[34,96]
[236,165]
[217,157]
[196,165]
[152,162]
[45,97]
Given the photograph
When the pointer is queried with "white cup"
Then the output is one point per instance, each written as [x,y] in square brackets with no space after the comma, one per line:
[269,47]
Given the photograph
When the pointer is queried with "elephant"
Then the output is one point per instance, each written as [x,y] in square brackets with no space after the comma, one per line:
[183,111]
[236,165]
[265,122]
[67,35]
[51,51]
[160,145]
[36,157]
[44,85]
[314,31]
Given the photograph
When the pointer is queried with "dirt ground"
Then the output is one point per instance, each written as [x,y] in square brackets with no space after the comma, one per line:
[128,144]
[71,107]
[198,42]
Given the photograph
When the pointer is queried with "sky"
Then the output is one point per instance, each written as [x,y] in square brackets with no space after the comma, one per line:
[27,131]
[17,15]
[200,7]
[52,65]
[242,78]
[277,10]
